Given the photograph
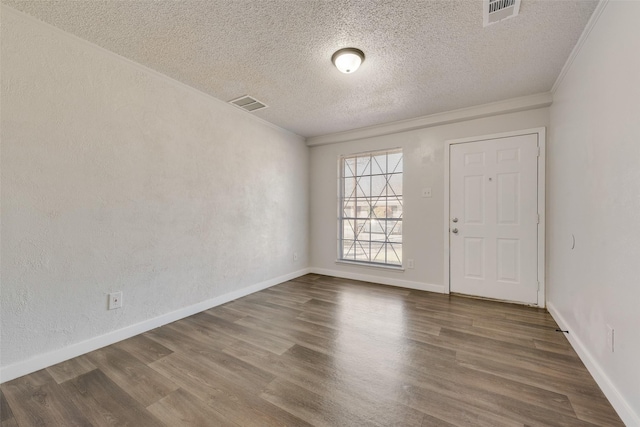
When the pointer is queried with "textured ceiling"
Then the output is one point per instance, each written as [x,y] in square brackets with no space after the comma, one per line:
[422,57]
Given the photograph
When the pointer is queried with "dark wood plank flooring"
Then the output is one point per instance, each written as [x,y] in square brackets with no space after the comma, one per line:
[324,351]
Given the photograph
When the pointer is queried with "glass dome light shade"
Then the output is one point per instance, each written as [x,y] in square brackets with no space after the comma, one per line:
[348,60]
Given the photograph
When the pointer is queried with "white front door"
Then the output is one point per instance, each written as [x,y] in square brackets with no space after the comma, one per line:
[493,224]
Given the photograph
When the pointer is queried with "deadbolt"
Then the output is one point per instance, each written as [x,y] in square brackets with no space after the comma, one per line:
[455,220]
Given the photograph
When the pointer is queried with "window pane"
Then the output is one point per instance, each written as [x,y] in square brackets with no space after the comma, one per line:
[377,252]
[395,185]
[394,254]
[349,209]
[377,229]
[395,163]
[363,209]
[379,164]
[363,227]
[349,187]
[394,231]
[349,167]
[371,208]
[363,251]
[363,167]
[395,208]
[380,209]
[364,186]
[348,249]
[348,230]
[378,184]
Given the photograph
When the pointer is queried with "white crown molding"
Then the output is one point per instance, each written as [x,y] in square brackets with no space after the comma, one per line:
[44,360]
[576,49]
[512,105]
[26,17]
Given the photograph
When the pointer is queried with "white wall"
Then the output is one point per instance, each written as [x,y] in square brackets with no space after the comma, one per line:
[593,171]
[117,178]
[423,217]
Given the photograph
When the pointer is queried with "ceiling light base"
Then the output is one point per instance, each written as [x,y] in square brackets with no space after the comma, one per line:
[348,60]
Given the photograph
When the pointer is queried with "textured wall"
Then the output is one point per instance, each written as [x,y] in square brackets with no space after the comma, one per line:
[423,217]
[116,178]
[594,194]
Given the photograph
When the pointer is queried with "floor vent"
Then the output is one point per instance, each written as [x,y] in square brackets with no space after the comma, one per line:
[499,10]
[248,103]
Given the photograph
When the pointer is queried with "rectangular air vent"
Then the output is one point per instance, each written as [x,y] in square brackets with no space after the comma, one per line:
[499,10]
[248,103]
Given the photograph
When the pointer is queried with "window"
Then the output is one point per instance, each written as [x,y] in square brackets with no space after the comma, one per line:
[370,211]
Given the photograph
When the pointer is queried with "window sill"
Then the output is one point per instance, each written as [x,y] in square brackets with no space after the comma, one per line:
[368,265]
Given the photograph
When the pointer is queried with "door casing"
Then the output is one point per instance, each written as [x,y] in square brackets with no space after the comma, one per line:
[541,134]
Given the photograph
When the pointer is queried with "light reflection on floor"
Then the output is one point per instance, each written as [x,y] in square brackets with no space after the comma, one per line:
[371,342]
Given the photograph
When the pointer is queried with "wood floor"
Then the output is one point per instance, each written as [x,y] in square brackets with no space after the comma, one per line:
[324,351]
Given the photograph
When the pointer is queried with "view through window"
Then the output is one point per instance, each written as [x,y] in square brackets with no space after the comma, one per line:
[370,211]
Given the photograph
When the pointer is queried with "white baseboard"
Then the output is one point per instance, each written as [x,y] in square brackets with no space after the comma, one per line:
[619,403]
[41,361]
[381,280]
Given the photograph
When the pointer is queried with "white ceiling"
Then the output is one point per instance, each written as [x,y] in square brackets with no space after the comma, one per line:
[422,57]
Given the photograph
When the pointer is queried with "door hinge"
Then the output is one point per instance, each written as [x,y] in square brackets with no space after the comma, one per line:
[538,219]
[539,151]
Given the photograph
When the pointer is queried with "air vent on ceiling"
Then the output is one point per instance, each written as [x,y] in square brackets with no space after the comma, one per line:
[248,103]
[499,10]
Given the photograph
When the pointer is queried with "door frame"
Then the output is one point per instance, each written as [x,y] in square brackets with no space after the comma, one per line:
[541,134]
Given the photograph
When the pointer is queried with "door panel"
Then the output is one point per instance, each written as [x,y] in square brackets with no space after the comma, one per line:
[473,258]
[508,260]
[494,218]
[507,194]
[474,199]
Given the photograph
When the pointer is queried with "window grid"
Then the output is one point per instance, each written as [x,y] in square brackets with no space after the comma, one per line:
[370,215]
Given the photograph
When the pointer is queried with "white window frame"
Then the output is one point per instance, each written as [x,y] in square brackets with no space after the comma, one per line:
[388,246]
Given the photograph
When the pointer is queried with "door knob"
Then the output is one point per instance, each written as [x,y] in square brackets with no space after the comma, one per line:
[454,231]
[454,219]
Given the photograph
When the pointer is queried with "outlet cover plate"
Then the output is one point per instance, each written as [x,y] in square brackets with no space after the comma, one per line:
[115,300]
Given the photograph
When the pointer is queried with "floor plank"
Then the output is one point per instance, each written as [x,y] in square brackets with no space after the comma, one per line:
[531,375]
[367,397]
[70,369]
[5,411]
[144,348]
[234,330]
[180,408]
[106,404]
[233,400]
[37,400]
[140,381]
[325,351]
[319,410]
[596,411]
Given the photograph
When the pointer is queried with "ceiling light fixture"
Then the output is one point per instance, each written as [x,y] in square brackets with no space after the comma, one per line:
[348,60]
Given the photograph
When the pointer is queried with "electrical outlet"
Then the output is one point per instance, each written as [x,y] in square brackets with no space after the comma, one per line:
[410,263]
[610,338]
[426,192]
[295,256]
[115,300]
